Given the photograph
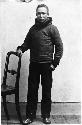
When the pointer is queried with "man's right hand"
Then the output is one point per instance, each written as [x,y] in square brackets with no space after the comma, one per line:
[19,51]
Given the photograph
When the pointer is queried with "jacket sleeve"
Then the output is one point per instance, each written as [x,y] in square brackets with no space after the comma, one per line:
[58,45]
[26,45]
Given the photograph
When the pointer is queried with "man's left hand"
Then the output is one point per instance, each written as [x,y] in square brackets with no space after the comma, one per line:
[52,67]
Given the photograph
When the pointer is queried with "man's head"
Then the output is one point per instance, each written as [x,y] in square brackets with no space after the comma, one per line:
[42,12]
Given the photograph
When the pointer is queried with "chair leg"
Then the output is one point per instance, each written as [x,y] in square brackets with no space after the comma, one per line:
[18,109]
[5,107]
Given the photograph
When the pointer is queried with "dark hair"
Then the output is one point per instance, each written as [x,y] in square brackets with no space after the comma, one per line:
[42,5]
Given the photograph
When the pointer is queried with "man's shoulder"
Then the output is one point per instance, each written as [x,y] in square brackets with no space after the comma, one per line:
[32,27]
[53,26]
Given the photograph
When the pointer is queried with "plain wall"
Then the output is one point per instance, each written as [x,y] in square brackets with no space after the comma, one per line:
[15,20]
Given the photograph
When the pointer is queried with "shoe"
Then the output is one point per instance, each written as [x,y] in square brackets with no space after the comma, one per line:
[27,121]
[46,121]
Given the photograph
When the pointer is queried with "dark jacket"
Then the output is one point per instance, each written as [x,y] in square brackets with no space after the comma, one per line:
[41,39]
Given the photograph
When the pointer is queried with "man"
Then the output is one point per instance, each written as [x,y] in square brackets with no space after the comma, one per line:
[41,40]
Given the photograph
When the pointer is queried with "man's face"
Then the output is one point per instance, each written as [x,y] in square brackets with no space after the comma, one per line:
[41,14]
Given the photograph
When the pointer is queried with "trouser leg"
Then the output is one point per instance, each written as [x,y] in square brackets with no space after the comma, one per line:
[32,95]
[46,81]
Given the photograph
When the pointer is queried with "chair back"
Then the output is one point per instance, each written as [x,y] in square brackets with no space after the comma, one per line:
[12,72]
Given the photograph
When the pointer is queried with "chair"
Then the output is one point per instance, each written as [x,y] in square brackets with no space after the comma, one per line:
[9,90]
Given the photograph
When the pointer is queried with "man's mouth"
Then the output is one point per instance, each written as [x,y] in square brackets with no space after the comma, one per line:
[41,19]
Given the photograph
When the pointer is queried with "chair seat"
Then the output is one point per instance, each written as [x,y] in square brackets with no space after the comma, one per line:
[5,89]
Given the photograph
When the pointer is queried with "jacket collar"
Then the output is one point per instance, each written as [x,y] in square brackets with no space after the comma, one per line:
[47,22]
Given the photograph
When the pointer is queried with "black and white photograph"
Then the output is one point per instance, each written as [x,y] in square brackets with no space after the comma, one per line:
[40,62]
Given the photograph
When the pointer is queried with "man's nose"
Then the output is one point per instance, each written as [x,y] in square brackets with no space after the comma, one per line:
[41,15]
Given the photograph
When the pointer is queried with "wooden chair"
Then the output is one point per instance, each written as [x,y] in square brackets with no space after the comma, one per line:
[9,90]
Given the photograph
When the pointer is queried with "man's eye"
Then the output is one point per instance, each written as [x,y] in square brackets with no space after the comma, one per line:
[41,13]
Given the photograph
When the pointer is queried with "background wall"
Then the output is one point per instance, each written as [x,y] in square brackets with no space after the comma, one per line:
[15,20]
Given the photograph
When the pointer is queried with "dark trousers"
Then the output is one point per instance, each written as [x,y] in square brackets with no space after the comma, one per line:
[35,70]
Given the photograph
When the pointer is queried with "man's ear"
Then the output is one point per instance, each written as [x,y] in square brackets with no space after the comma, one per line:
[36,14]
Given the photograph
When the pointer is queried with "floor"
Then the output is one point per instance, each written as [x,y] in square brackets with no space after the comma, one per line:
[61,113]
